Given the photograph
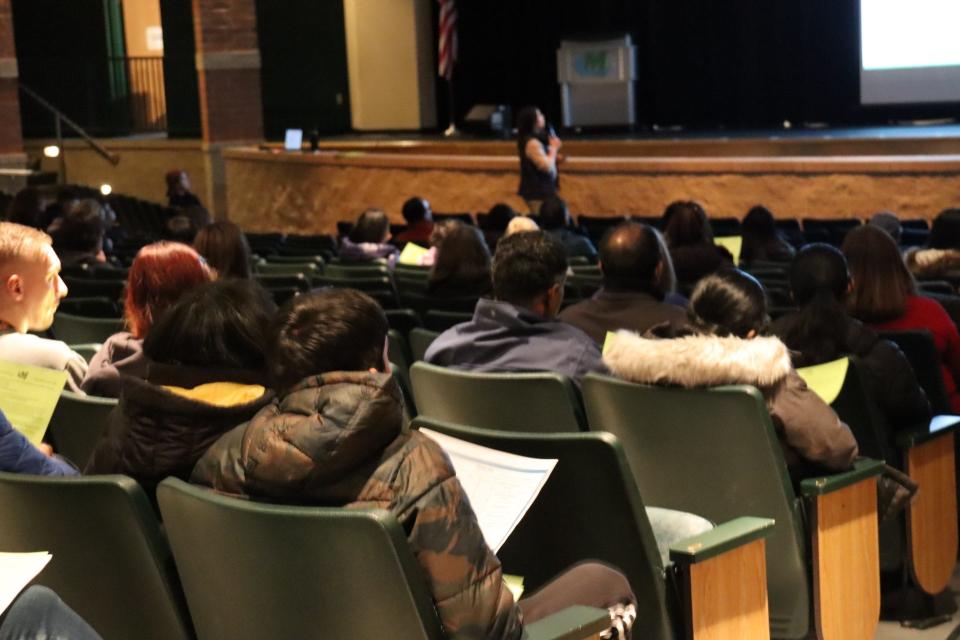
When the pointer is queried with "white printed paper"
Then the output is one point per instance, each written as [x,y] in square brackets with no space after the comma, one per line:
[501,486]
[16,572]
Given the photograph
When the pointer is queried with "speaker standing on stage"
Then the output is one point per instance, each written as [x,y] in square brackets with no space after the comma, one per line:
[538,149]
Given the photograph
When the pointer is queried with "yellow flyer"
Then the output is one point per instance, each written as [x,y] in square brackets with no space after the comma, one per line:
[28,396]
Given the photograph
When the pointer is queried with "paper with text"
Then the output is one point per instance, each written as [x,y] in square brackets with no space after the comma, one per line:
[28,396]
[16,572]
[501,486]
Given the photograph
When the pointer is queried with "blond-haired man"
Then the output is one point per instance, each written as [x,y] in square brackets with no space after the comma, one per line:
[30,292]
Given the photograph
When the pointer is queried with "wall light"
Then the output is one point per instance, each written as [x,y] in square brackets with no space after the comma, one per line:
[106,189]
[51,151]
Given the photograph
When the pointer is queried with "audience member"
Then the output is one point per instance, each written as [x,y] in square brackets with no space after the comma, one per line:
[462,265]
[821,331]
[205,375]
[39,614]
[224,246]
[728,309]
[884,296]
[18,455]
[631,297]
[761,239]
[518,329]
[521,224]
[184,224]
[30,292]
[889,222]
[687,232]
[27,208]
[78,235]
[368,239]
[495,226]
[337,437]
[555,220]
[179,195]
[67,198]
[419,217]
[941,257]
[160,274]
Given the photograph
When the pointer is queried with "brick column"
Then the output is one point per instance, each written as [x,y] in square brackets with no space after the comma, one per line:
[228,69]
[11,135]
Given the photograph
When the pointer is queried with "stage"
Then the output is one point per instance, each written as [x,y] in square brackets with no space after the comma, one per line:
[912,170]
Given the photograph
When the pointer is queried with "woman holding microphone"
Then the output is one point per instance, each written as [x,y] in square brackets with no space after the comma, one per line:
[538,148]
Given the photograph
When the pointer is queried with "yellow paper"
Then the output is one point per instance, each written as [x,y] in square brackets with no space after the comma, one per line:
[28,396]
[607,341]
[826,379]
[731,244]
[515,584]
[412,253]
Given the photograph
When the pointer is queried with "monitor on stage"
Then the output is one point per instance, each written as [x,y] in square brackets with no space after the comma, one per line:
[909,51]
[293,140]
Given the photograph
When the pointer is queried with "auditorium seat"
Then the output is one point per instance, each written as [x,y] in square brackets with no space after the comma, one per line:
[926,453]
[532,402]
[77,424]
[420,340]
[403,320]
[97,307]
[920,351]
[590,508]
[462,216]
[361,581]
[440,321]
[82,329]
[724,226]
[722,456]
[111,562]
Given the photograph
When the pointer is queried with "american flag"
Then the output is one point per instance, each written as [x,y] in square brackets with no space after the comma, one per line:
[448,38]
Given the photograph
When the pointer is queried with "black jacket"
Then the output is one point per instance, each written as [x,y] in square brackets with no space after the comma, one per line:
[889,376]
[157,432]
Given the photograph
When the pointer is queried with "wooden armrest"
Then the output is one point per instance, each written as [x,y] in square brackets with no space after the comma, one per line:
[939,426]
[862,469]
[572,623]
[720,539]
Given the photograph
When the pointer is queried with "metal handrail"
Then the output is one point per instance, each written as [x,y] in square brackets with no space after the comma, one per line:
[60,117]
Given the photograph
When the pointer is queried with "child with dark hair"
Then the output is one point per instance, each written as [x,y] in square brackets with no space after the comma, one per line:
[728,311]
[225,248]
[206,374]
[690,239]
[78,235]
[336,437]
[462,265]
[761,239]
[419,218]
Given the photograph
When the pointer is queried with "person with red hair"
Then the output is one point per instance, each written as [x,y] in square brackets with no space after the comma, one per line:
[161,273]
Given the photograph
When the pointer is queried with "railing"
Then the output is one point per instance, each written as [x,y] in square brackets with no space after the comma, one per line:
[60,119]
[108,96]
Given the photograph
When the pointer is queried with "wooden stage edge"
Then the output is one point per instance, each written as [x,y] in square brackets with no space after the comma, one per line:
[272,190]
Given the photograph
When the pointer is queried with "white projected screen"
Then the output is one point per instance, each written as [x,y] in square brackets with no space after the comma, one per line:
[910,51]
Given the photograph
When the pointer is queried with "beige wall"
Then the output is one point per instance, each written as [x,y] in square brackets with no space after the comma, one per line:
[391,64]
[141,169]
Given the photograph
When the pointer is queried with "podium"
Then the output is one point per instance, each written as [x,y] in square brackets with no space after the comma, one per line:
[597,82]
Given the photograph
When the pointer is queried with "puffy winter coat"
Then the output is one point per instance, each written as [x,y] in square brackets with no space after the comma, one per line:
[338,440]
[812,435]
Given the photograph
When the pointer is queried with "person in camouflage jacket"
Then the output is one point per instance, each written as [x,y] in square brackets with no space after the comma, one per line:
[338,439]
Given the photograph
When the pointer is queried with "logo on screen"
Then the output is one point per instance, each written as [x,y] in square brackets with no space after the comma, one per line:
[592,63]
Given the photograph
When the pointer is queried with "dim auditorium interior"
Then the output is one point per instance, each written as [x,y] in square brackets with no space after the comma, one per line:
[339,145]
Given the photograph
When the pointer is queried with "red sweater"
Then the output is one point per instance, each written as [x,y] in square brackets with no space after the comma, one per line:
[924,313]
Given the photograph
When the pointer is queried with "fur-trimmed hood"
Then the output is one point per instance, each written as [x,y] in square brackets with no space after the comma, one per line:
[697,360]
[927,263]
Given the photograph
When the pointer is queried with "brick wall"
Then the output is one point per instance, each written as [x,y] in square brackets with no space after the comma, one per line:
[11,136]
[228,66]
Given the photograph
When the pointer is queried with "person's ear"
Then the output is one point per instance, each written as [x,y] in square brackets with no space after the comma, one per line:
[14,287]
[751,334]
[386,354]
[658,272]
[849,285]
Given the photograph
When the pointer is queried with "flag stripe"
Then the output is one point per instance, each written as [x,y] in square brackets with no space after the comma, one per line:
[447,47]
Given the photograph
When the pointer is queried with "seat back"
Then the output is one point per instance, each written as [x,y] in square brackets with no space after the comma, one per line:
[81,329]
[589,508]
[420,340]
[713,452]
[528,402]
[110,560]
[922,354]
[861,413]
[77,424]
[255,571]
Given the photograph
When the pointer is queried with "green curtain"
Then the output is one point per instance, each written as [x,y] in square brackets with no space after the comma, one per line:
[116,49]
